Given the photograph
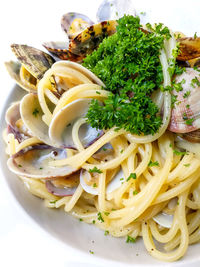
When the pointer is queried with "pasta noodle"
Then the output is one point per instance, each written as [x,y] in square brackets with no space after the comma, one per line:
[144,190]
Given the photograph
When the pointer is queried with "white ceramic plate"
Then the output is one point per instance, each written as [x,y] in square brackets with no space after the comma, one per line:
[179,16]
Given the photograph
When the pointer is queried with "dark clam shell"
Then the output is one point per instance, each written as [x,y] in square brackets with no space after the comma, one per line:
[72,30]
[35,61]
[60,50]
[89,39]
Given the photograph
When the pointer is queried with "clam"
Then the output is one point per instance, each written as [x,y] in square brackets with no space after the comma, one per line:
[163,219]
[185,116]
[73,23]
[21,76]
[189,48]
[114,9]
[15,124]
[87,181]
[89,39]
[60,128]
[90,75]
[193,137]
[34,161]
[31,114]
[60,50]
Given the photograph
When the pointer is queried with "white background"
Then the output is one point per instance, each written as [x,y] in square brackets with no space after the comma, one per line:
[22,242]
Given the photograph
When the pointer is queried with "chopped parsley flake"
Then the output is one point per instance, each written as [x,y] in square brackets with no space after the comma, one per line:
[179,153]
[132,175]
[189,121]
[195,81]
[93,221]
[195,35]
[94,185]
[130,239]
[106,213]
[135,192]
[19,165]
[173,100]
[95,169]
[187,106]
[35,112]
[196,68]
[97,92]
[104,149]
[187,93]
[121,151]
[91,252]
[187,165]
[53,201]
[106,232]
[151,163]
[128,63]
[80,220]
[100,218]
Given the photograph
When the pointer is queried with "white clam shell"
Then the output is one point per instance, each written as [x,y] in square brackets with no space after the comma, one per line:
[34,123]
[13,114]
[181,112]
[164,219]
[60,128]
[113,185]
[114,9]
[83,70]
[33,163]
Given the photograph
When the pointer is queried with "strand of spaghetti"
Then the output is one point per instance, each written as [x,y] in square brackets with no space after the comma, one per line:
[111,164]
[180,251]
[78,159]
[192,226]
[73,93]
[166,237]
[195,237]
[138,171]
[101,191]
[75,131]
[149,193]
[175,191]
[51,96]
[28,142]
[74,198]
[11,144]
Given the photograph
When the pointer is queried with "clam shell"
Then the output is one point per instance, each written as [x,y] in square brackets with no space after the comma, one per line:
[60,128]
[90,75]
[73,23]
[89,39]
[189,48]
[33,162]
[31,114]
[14,69]
[114,9]
[35,61]
[193,137]
[186,107]
[60,50]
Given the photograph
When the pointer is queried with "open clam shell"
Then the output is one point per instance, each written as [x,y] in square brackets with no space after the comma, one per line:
[185,115]
[60,128]
[114,9]
[35,61]
[23,78]
[73,23]
[60,50]
[14,123]
[193,137]
[34,161]
[189,48]
[90,75]
[89,39]
[31,114]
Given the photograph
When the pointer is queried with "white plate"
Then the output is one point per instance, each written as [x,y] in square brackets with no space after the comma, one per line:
[107,250]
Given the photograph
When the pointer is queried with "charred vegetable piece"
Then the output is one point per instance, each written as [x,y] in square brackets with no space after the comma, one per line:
[89,39]
[60,50]
[73,23]
[189,48]
[34,60]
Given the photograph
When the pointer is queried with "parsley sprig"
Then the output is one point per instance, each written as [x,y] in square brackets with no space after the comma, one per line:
[128,63]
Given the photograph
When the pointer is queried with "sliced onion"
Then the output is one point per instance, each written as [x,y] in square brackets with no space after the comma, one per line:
[57,191]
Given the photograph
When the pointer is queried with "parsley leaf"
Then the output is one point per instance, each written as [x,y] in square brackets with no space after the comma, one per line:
[100,218]
[132,175]
[35,112]
[130,239]
[95,169]
[151,163]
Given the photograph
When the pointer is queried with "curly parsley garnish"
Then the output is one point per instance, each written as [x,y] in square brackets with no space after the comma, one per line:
[128,63]
[95,169]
